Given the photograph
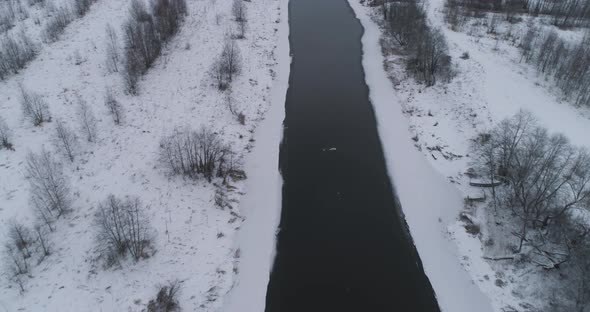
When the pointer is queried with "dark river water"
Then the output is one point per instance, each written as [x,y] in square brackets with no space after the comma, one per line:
[342,244]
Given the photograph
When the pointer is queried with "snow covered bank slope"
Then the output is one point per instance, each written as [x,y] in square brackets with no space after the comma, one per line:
[195,239]
[261,204]
[428,201]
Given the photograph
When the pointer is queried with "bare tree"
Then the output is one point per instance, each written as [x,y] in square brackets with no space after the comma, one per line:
[66,140]
[123,228]
[49,187]
[87,120]
[41,237]
[34,107]
[545,178]
[112,49]
[231,58]
[5,135]
[113,106]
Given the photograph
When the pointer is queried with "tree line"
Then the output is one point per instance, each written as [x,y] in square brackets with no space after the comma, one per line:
[562,13]
[425,46]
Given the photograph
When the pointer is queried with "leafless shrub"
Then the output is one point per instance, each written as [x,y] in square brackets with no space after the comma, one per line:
[49,187]
[193,153]
[218,72]
[5,135]
[15,53]
[66,140]
[82,6]
[242,27]
[123,228]
[112,49]
[56,25]
[41,238]
[167,299]
[238,9]
[113,106]
[87,120]
[34,107]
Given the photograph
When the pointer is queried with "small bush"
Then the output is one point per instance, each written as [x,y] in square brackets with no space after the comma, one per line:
[34,107]
[166,300]
[123,229]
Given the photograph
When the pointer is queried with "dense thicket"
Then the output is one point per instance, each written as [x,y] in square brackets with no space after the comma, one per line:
[563,13]
[567,63]
[145,33]
[16,51]
[195,153]
[426,47]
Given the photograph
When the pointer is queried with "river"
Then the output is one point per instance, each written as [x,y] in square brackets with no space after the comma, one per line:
[342,244]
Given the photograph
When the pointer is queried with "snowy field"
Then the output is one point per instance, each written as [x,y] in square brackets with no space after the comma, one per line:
[194,238]
[489,86]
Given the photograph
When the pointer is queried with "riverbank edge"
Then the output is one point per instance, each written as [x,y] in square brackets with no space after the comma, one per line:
[428,202]
[261,204]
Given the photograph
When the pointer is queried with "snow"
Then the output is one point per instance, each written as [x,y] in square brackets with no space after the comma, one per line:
[178,91]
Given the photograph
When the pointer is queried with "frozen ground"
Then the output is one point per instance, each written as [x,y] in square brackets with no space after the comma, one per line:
[491,85]
[195,240]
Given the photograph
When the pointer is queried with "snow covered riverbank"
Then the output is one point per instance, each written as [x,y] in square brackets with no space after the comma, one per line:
[428,201]
[490,85]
